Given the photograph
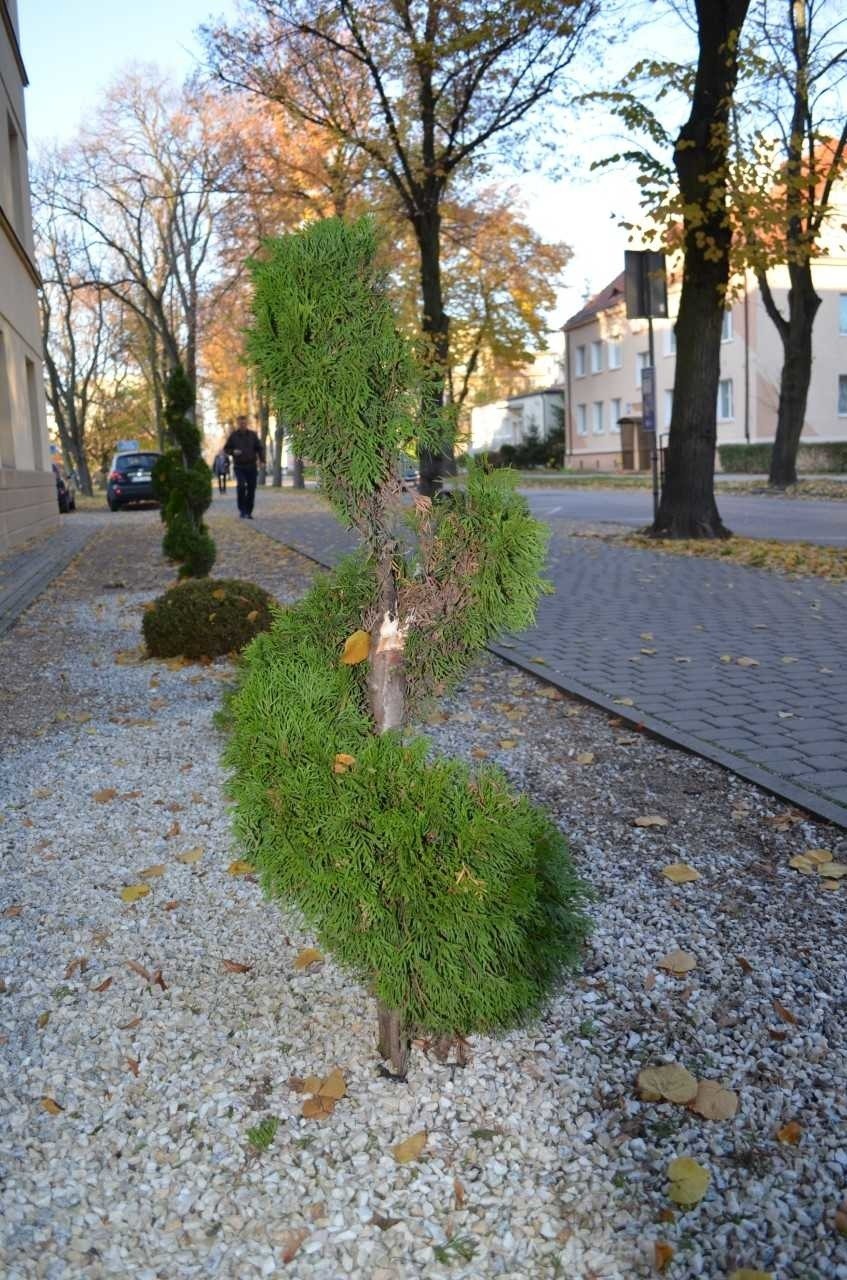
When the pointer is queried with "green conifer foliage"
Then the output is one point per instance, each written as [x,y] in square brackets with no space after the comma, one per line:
[450,896]
[182,482]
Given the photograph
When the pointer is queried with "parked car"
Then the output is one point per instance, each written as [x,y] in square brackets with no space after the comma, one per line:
[130,479]
[65,491]
[409,472]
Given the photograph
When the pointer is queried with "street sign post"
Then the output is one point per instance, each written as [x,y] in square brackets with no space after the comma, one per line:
[646,293]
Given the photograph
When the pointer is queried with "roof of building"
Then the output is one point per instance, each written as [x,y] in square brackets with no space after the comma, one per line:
[601,301]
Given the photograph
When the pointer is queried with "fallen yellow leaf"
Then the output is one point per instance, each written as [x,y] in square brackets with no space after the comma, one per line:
[479,753]
[220,594]
[356,648]
[831,885]
[662,1254]
[190,855]
[149,873]
[104,796]
[670,1081]
[678,962]
[801,863]
[135,891]
[410,1148]
[816,856]
[833,870]
[747,662]
[343,763]
[651,820]
[309,955]
[241,868]
[334,1086]
[252,615]
[726,657]
[680,873]
[688,1181]
[291,1241]
[625,702]
[790,1133]
[50,1104]
[713,1102]
[585,757]
[506,744]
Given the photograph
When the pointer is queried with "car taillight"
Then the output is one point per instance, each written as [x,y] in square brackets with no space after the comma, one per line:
[116,475]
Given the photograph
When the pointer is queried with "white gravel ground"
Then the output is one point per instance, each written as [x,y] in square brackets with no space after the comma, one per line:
[540,1160]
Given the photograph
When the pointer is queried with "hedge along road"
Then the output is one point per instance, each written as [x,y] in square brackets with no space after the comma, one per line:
[786,519]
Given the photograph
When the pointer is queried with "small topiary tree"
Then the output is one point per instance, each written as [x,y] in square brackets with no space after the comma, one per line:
[454,899]
[182,482]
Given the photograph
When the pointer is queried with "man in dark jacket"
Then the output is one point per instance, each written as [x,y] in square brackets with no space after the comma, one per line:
[246,450]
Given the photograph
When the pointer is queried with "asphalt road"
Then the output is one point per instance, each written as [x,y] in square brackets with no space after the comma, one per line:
[788,519]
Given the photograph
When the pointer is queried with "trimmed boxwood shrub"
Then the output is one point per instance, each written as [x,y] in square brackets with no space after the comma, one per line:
[206,617]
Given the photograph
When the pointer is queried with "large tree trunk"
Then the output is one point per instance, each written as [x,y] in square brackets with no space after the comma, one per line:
[688,508]
[803,303]
[435,326]
[387,697]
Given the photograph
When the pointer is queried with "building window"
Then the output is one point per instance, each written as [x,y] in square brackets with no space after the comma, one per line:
[842,395]
[599,425]
[579,362]
[7,439]
[842,313]
[597,357]
[615,357]
[642,361]
[34,420]
[668,406]
[16,171]
[616,415]
[582,420]
[670,340]
[726,327]
[726,409]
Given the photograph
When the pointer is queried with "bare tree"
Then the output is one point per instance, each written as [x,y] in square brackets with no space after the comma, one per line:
[144,184]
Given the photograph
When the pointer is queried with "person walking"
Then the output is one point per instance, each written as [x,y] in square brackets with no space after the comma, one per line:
[247,451]
[221,469]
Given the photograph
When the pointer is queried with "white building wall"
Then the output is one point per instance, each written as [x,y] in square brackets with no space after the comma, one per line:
[28,505]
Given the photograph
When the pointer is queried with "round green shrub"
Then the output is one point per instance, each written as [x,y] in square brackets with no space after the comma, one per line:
[450,896]
[206,617]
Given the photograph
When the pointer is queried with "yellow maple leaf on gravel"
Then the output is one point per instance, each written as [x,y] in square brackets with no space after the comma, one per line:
[680,873]
[688,1181]
[410,1148]
[135,891]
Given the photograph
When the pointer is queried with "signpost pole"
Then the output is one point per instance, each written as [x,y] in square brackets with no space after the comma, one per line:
[655,449]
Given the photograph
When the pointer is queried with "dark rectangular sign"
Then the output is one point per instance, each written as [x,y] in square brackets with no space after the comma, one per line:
[645,284]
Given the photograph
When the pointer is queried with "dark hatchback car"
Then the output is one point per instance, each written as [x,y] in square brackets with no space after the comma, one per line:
[130,479]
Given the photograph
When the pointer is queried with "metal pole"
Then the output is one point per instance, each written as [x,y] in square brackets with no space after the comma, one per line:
[655,447]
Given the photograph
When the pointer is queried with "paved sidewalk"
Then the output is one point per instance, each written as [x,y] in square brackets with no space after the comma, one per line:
[780,720]
[24,574]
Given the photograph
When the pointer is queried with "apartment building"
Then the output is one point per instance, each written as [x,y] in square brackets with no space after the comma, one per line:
[605,353]
[28,505]
[535,404]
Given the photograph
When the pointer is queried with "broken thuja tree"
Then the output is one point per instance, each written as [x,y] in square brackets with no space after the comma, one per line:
[452,898]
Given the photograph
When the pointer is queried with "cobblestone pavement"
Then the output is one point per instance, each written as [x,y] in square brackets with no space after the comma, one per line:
[742,666]
[26,572]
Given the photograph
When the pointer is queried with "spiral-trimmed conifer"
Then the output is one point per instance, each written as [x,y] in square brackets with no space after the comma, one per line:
[182,482]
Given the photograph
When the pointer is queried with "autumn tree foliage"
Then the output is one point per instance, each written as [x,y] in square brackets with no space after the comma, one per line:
[452,898]
[423,93]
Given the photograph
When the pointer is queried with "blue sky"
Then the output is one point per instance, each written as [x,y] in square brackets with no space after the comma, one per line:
[73,48]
